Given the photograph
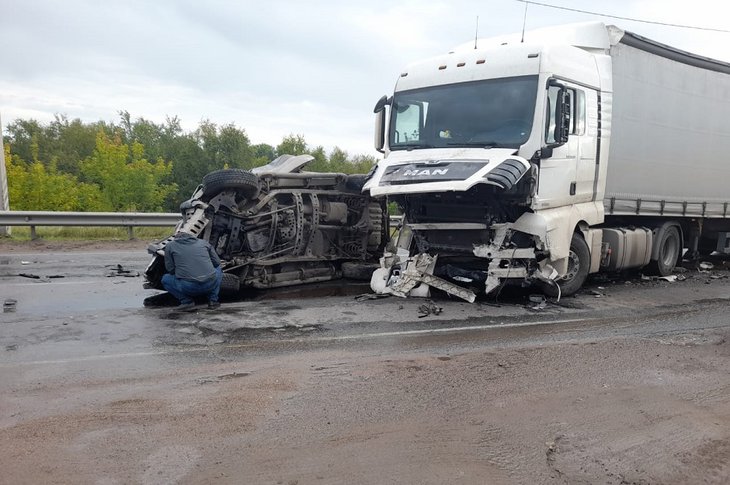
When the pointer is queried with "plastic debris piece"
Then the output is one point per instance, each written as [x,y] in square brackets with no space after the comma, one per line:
[537,302]
[371,296]
[429,309]
[29,275]
[9,305]
[119,270]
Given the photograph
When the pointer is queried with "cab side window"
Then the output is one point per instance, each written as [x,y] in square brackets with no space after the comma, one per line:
[408,123]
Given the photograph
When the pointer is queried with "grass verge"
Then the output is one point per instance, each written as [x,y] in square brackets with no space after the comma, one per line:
[66,233]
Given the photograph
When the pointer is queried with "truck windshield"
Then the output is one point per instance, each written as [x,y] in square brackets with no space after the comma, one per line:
[492,113]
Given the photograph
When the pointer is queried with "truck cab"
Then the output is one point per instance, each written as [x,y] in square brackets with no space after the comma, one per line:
[492,153]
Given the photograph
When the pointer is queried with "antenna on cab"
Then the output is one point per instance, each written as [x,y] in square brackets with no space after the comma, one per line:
[524,21]
[476,33]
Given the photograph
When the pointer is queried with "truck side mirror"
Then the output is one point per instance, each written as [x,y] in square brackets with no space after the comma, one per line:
[562,116]
[557,122]
[380,112]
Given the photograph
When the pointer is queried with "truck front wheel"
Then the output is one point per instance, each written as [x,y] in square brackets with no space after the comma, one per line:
[579,262]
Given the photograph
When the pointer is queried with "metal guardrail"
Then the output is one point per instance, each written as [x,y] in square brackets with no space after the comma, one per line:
[130,220]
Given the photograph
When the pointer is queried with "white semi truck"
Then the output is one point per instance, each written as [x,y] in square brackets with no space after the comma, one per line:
[539,160]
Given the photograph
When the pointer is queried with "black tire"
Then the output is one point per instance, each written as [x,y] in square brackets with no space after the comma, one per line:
[579,262]
[243,181]
[358,271]
[670,247]
[355,182]
[230,284]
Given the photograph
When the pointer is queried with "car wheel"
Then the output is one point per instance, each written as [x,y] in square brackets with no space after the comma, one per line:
[243,181]
[230,284]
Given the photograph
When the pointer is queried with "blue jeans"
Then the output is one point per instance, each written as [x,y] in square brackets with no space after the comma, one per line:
[184,290]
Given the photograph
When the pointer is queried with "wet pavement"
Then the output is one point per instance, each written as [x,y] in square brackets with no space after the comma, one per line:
[317,385]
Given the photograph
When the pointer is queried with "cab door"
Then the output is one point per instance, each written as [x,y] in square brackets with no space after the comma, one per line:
[563,177]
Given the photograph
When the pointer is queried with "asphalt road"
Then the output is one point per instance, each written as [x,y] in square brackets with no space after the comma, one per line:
[625,383]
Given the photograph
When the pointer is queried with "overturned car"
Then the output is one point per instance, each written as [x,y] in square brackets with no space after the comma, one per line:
[278,225]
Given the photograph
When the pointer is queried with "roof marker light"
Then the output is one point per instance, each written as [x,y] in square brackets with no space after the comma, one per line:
[403,74]
[441,68]
[532,56]
[461,64]
[481,61]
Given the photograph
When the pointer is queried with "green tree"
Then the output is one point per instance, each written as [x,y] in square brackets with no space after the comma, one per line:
[263,154]
[35,187]
[227,146]
[291,145]
[126,185]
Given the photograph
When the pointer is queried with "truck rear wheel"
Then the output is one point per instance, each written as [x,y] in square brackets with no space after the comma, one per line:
[579,262]
[669,247]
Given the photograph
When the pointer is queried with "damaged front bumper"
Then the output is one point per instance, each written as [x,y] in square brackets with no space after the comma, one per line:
[492,265]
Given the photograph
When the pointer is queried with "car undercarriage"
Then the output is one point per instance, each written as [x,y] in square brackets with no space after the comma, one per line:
[277,225]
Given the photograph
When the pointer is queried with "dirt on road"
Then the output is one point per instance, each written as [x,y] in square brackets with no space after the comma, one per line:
[614,411]
[628,383]
[10,246]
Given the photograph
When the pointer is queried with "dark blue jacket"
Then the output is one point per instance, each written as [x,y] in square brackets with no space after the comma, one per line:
[190,258]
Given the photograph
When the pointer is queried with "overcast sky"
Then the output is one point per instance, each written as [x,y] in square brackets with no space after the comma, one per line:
[314,68]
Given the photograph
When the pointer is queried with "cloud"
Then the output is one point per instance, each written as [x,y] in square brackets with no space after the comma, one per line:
[312,68]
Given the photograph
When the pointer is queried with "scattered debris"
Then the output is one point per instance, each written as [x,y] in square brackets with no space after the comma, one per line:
[537,302]
[25,262]
[706,266]
[371,296]
[670,278]
[119,270]
[413,277]
[9,305]
[429,309]
[38,277]
[597,294]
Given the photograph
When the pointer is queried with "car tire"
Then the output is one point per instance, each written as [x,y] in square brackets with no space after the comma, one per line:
[355,182]
[242,181]
[230,284]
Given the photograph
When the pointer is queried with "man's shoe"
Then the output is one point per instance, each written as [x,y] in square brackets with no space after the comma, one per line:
[213,304]
[185,307]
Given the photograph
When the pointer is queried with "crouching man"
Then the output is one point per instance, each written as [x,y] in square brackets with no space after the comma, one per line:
[193,269]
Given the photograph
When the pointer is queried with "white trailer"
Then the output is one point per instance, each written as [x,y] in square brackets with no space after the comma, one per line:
[580,148]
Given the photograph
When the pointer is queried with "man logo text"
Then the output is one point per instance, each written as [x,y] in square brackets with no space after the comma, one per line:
[425,173]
